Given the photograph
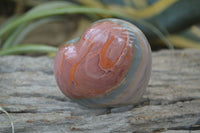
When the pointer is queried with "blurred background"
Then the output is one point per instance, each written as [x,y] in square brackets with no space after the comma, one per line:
[41,26]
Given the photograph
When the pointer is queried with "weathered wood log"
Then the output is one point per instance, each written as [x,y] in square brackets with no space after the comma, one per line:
[171,104]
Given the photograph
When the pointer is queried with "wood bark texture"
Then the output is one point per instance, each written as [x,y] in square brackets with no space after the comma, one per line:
[171,103]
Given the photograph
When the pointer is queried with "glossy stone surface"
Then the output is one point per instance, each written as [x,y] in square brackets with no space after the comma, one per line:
[109,65]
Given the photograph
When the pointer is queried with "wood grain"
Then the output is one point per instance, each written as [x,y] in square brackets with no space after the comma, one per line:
[171,104]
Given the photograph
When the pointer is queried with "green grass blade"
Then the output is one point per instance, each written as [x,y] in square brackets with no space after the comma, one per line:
[26,48]
[56,5]
[157,32]
[68,10]
[19,34]
[11,121]
[11,38]
[50,6]
[4,24]
[7,21]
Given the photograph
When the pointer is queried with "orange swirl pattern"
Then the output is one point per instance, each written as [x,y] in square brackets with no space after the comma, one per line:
[104,52]
[96,65]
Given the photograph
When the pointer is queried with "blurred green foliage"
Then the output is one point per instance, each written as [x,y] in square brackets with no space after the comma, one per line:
[171,23]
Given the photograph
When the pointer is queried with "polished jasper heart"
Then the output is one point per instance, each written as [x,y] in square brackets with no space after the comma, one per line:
[97,64]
